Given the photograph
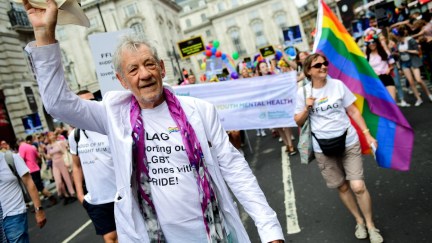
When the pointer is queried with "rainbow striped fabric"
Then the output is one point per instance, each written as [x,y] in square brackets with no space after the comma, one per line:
[384,119]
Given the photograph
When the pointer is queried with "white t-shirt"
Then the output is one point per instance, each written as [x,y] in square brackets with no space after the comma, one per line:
[97,166]
[173,184]
[11,196]
[328,116]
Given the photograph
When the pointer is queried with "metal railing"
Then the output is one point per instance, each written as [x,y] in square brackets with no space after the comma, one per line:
[18,19]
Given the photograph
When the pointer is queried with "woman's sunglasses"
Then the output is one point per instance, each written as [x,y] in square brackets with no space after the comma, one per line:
[319,65]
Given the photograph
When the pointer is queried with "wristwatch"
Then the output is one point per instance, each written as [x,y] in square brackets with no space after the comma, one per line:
[37,209]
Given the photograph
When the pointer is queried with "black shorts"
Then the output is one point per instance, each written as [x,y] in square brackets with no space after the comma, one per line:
[387,80]
[102,216]
[37,180]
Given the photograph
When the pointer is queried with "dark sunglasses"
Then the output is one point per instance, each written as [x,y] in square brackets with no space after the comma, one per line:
[319,65]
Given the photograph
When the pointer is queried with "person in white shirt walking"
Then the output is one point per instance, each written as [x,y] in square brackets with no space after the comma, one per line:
[92,161]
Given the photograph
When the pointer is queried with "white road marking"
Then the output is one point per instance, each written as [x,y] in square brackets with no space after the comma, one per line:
[290,204]
[77,232]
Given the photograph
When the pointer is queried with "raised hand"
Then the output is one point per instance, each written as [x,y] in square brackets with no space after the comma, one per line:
[44,21]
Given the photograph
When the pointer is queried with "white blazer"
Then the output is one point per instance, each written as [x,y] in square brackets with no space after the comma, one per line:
[112,117]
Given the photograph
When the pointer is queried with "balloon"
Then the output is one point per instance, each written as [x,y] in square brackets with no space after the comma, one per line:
[291,52]
[204,59]
[216,43]
[224,56]
[278,55]
[208,53]
[234,75]
[235,55]
[218,54]
[208,47]
[203,66]
[213,50]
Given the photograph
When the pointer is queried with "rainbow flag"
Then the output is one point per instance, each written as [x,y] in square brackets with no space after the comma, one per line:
[384,119]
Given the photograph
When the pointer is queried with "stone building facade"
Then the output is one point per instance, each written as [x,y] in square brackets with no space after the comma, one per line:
[241,26]
[19,95]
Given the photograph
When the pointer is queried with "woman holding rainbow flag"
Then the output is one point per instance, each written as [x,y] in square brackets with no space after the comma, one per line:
[329,105]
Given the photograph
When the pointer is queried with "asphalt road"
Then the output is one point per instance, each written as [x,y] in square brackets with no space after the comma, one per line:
[401,200]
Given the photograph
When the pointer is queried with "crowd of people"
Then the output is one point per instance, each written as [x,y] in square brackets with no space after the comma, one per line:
[145,161]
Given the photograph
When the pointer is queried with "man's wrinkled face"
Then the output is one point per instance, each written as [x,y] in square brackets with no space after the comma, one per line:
[142,75]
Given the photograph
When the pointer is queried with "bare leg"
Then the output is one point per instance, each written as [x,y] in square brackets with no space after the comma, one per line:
[419,80]
[392,91]
[347,197]
[409,77]
[364,201]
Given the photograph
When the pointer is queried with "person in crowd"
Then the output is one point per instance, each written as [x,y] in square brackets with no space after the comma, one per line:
[31,157]
[55,152]
[191,79]
[381,63]
[300,57]
[343,171]
[424,37]
[375,30]
[96,168]
[392,44]
[4,146]
[171,155]
[285,132]
[15,225]
[262,69]
[411,62]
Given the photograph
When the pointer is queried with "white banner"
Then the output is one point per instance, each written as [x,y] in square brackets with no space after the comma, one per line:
[102,46]
[243,104]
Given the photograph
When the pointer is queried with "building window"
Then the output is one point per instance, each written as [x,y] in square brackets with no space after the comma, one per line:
[221,7]
[137,28]
[93,22]
[203,17]
[234,3]
[234,33]
[254,14]
[280,19]
[208,33]
[188,23]
[258,29]
[131,10]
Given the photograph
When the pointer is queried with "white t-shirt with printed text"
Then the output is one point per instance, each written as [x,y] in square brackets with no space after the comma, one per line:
[11,196]
[97,165]
[328,116]
[173,183]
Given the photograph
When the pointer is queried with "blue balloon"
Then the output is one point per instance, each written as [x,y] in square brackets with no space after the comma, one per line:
[224,56]
[291,51]
[278,55]
[214,50]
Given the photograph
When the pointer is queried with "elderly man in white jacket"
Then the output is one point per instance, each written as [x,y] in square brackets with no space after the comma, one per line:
[172,158]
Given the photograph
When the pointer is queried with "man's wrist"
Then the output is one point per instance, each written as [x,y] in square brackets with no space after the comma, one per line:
[39,209]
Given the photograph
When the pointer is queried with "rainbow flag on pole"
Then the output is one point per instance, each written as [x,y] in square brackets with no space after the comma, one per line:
[384,119]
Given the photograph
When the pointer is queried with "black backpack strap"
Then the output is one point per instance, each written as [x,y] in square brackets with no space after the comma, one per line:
[77,134]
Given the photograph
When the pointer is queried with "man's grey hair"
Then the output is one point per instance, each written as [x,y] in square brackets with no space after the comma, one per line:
[130,42]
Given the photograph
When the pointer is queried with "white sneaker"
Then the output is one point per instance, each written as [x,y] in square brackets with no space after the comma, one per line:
[418,102]
[280,139]
[430,97]
[258,133]
[292,137]
[403,103]
[263,133]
